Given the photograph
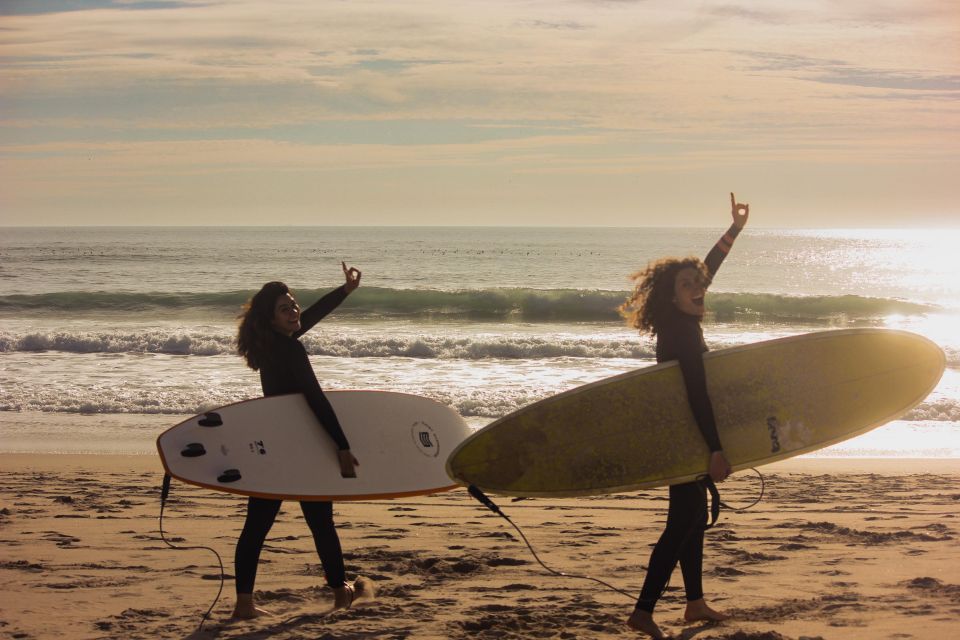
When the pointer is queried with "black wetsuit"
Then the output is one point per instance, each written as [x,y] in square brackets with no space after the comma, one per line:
[288,370]
[681,338]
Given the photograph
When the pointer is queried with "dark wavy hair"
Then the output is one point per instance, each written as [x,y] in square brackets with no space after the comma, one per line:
[256,336]
[650,305]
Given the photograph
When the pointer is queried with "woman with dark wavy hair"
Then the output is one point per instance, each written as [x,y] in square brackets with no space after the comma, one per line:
[270,326]
[667,302]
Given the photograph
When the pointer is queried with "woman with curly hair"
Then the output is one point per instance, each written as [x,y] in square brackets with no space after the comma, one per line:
[270,326]
[667,302]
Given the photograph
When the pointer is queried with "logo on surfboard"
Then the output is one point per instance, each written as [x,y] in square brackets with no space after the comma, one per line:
[425,439]
[773,427]
[788,436]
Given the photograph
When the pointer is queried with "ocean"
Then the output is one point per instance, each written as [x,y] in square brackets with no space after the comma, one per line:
[109,335]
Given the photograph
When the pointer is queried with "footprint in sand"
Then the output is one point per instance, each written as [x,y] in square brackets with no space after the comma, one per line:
[727,572]
[384,536]
[61,539]
[931,587]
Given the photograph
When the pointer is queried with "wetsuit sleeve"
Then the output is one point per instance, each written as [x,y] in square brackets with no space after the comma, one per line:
[695,381]
[721,249]
[328,418]
[320,309]
[319,403]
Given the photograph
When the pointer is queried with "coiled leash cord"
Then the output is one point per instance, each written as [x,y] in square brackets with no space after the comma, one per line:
[715,494]
[704,481]
[165,491]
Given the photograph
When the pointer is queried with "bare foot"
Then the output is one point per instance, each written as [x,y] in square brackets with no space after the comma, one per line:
[364,590]
[698,610]
[361,590]
[246,610]
[642,621]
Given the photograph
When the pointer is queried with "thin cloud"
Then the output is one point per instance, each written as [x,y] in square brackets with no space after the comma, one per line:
[883,79]
[556,26]
[912,96]
[744,13]
[840,72]
[774,61]
[44,7]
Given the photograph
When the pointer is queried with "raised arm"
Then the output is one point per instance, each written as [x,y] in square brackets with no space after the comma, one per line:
[740,213]
[322,307]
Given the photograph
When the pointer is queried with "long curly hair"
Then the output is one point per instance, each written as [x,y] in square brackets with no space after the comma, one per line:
[256,336]
[651,302]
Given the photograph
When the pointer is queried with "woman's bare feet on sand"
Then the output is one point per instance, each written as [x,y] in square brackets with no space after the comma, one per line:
[246,610]
[698,610]
[362,589]
[642,621]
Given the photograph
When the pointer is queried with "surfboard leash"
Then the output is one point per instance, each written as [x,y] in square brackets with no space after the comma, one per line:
[704,481]
[482,498]
[717,502]
[164,492]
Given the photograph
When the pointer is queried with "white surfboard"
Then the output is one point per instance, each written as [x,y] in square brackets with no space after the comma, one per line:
[275,447]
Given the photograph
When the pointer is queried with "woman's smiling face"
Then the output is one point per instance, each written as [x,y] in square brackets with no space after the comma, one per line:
[286,315]
[689,289]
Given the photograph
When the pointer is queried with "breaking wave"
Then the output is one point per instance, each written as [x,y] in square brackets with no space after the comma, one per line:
[335,345]
[480,305]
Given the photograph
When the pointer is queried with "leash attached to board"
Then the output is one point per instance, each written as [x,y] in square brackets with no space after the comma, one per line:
[705,482]
[164,492]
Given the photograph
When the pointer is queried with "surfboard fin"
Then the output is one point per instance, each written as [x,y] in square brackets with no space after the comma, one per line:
[230,475]
[210,419]
[193,450]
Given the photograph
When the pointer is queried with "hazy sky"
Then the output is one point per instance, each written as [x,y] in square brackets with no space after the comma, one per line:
[561,112]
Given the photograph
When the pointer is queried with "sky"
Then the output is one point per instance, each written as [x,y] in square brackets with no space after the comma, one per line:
[447,112]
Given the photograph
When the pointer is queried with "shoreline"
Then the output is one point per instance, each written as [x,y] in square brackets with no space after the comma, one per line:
[40,433]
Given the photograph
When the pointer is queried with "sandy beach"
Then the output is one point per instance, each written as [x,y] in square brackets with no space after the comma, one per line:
[838,548]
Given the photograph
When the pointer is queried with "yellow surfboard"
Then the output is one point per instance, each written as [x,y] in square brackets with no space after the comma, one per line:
[772,400]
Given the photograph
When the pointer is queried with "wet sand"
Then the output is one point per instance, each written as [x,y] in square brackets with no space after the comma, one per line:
[838,548]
